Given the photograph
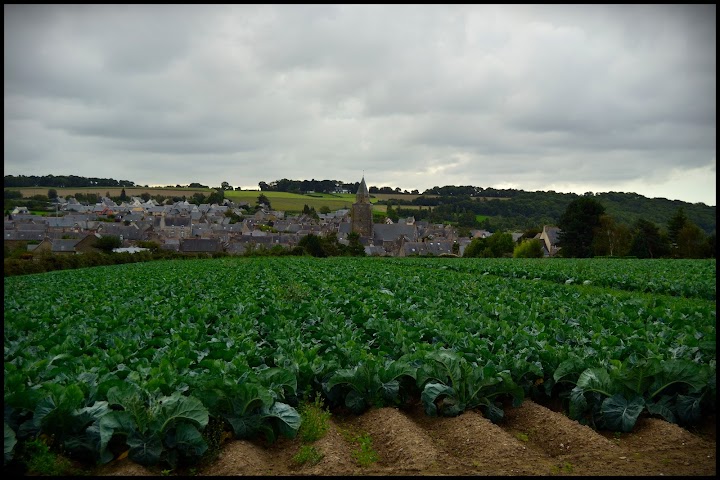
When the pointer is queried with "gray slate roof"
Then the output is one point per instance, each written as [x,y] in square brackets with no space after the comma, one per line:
[200,245]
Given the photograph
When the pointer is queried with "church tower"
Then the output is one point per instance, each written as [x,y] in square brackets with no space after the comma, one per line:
[362,211]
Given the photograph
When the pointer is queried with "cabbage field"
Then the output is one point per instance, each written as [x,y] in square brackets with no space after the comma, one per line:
[145,357]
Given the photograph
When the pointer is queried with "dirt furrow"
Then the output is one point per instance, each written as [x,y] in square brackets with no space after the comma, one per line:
[532,441]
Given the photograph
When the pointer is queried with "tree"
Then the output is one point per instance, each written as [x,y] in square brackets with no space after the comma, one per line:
[263,199]
[324,209]
[197,198]
[52,194]
[647,241]
[467,219]
[528,248]
[106,243]
[355,248]
[331,246]
[496,245]
[578,225]
[501,244]
[216,197]
[692,242]
[611,238]
[674,225]
[226,186]
[123,195]
[475,248]
[312,244]
[145,196]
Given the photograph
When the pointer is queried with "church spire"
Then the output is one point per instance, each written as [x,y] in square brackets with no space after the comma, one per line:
[362,196]
[361,216]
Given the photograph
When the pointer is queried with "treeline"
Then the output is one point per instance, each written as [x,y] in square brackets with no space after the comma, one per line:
[587,230]
[324,186]
[518,210]
[63,181]
[304,186]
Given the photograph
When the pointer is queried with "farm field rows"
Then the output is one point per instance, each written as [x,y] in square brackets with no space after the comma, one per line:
[616,345]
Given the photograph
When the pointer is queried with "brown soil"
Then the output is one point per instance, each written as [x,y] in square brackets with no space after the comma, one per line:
[532,441]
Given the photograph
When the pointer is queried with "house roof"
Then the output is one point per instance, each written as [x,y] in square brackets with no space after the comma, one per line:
[427,248]
[200,245]
[64,245]
[32,226]
[24,235]
[394,231]
[553,234]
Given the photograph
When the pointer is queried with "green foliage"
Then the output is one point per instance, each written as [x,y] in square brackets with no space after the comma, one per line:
[148,372]
[529,248]
[216,197]
[307,454]
[452,385]
[578,226]
[11,194]
[41,461]
[10,442]
[355,248]
[312,245]
[106,243]
[253,409]
[565,467]
[614,398]
[499,244]
[365,455]
[262,198]
[675,224]
[372,382]
[648,241]
[691,242]
[315,420]
[150,245]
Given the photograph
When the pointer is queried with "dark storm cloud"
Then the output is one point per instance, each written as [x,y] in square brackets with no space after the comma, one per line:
[565,97]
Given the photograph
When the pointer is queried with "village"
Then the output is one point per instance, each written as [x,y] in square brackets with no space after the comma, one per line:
[210,228]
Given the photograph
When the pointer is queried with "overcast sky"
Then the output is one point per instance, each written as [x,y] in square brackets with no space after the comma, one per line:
[570,98]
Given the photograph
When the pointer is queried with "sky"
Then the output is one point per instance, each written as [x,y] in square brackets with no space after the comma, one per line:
[565,98]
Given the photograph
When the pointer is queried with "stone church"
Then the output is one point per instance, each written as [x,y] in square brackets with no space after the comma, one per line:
[362,219]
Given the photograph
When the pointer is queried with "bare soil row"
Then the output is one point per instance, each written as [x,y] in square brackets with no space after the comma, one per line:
[533,440]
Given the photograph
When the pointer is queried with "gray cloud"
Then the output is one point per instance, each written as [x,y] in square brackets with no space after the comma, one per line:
[560,97]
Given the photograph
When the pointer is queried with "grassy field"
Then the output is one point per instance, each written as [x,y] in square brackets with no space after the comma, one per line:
[289,202]
[293,202]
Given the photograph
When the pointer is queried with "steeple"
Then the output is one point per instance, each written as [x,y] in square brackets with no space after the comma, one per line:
[361,216]
[362,195]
